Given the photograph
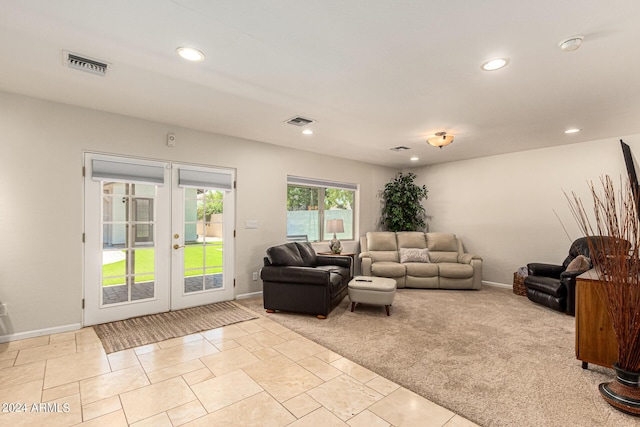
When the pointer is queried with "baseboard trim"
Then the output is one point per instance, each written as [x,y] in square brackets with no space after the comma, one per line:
[497,285]
[249,295]
[40,332]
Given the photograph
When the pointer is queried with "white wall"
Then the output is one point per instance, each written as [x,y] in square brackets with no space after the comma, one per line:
[511,209]
[501,206]
[41,191]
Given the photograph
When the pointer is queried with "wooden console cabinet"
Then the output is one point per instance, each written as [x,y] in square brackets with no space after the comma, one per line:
[595,340]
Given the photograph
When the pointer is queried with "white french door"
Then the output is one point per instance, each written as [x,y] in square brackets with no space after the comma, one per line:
[158,237]
[202,242]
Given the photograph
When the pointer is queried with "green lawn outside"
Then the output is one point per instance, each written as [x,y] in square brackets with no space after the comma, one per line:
[194,263]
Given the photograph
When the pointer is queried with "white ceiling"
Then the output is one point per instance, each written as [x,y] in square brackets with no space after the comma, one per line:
[373,74]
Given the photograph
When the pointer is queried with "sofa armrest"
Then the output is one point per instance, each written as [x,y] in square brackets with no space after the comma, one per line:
[340,261]
[568,279]
[465,258]
[365,265]
[546,270]
[476,263]
[571,275]
[300,275]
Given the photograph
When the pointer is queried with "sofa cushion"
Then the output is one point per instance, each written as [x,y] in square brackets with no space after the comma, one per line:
[420,269]
[344,272]
[287,254]
[421,282]
[455,270]
[411,239]
[545,285]
[439,256]
[388,269]
[581,246]
[442,242]
[414,255]
[308,254]
[384,256]
[381,241]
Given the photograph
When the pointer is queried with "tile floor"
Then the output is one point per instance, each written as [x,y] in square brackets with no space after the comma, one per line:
[255,373]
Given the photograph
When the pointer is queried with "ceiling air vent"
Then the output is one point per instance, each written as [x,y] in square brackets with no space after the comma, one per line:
[399,148]
[85,64]
[299,121]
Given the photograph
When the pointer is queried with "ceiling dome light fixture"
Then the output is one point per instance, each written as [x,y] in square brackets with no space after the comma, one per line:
[495,64]
[190,54]
[307,132]
[414,159]
[572,130]
[440,139]
[571,44]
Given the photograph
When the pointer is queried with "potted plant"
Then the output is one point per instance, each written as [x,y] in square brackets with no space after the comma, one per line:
[402,208]
[617,263]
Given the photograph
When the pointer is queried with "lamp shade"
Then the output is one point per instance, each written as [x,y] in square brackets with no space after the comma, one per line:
[440,139]
[335,226]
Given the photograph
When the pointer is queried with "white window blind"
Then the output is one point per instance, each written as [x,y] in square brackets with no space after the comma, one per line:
[102,170]
[193,178]
[310,182]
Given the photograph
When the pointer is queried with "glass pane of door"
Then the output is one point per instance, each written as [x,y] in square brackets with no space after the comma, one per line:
[128,243]
[203,239]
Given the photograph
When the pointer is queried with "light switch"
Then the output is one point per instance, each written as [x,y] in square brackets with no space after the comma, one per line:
[251,223]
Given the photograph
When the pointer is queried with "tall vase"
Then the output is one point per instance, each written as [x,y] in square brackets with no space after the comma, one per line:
[624,392]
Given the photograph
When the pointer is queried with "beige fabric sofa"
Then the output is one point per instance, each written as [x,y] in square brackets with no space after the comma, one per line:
[448,267]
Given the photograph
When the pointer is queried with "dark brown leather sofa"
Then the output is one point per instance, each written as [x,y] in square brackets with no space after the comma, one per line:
[296,279]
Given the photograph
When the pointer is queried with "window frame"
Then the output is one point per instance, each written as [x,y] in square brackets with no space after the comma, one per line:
[321,185]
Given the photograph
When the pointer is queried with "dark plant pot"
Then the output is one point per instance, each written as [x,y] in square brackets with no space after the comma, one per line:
[623,393]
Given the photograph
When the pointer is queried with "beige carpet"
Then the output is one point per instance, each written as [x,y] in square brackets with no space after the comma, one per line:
[123,334]
[494,357]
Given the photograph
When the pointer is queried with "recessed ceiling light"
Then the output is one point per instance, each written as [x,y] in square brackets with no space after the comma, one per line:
[307,132]
[414,159]
[495,64]
[190,54]
[572,130]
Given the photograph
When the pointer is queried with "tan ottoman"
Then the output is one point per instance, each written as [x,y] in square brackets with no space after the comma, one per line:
[372,290]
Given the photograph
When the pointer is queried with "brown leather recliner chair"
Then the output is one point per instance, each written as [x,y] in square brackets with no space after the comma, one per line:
[553,285]
[296,279]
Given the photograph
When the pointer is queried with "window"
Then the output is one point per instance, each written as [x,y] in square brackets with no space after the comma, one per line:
[311,203]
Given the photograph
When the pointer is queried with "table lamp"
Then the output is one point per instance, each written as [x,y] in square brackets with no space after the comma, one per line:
[335,226]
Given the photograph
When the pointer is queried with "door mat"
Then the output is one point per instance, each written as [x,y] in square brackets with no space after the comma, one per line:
[137,331]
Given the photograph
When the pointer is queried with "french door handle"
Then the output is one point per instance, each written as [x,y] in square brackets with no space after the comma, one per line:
[177,246]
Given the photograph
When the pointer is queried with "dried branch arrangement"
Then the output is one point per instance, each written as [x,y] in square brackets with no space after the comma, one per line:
[617,261]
